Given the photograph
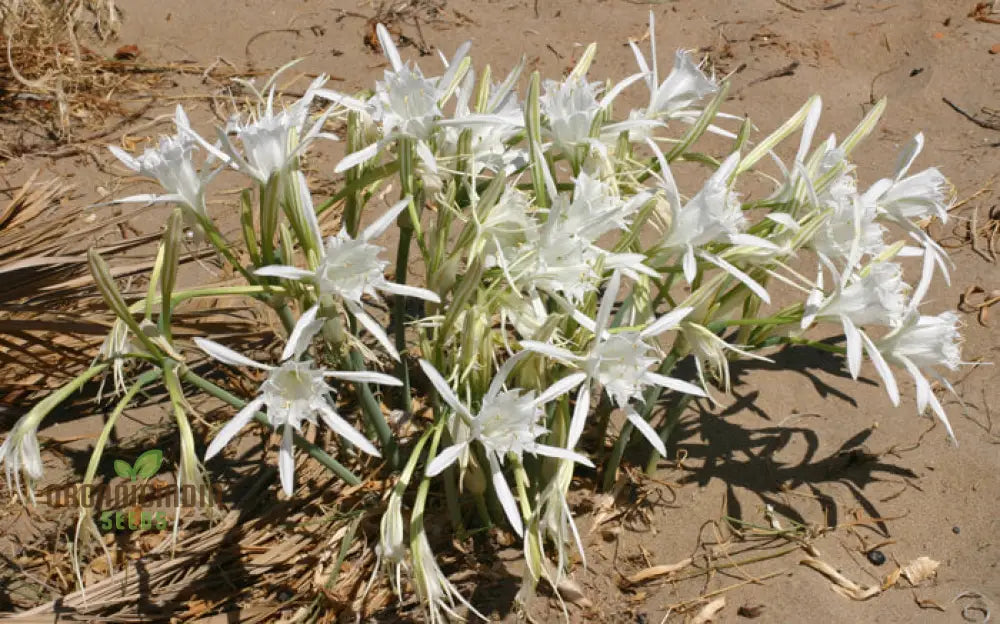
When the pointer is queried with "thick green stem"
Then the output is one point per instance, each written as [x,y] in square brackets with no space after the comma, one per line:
[314,451]
[373,412]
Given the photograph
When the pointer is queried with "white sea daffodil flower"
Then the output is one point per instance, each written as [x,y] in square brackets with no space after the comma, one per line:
[570,107]
[507,423]
[20,453]
[619,361]
[273,141]
[438,597]
[713,215]
[170,164]
[877,296]
[905,199]
[594,209]
[350,268]
[294,391]
[850,231]
[684,86]
[405,104]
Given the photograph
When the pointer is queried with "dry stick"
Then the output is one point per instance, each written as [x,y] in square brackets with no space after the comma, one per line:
[989,125]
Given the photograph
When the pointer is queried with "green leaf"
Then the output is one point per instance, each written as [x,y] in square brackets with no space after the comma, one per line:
[122,469]
[147,465]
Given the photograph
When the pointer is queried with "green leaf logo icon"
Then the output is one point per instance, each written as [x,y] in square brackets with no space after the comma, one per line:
[122,469]
[147,465]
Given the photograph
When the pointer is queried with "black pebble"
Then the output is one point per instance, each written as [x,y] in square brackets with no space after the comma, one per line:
[956,530]
[876,557]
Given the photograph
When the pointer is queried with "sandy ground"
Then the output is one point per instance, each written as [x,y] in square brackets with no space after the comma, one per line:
[798,435]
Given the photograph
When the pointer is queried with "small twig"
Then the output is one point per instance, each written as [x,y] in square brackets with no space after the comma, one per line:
[787,70]
[989,125]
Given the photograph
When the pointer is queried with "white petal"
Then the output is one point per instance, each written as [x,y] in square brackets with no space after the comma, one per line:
[501,377]
[388,47]
[443,389]
[646,430]
[286,461]
[853,336]
[673,384]
[750,283]
[690,265]
[227,355]
[909,154]
[552,351]
[784,219]
[666,322]
[506,497]
[410,291]
[883,369]
[561,453]
[607,302]
[354,159]
[374,329]
[364,377]
[560,388]
[580,412]
[302,334]
[342,428]
[284,272]
[308,209]
[233,427]
[444,459]
[382,223]
[127,159]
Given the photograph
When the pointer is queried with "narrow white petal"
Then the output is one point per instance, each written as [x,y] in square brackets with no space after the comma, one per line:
[561,453]
[507,500]
[552,351]
[388,47]
[302,334]
[233,427]
[501,377]
[560,388]
[284,272]
[127,159]
[853,336]
[286,461]
[607,302]
[364,377]
[356,158]
[410,291]
[883,369]
[382,223]
[342,428]
[227,355]
[443,389]
[374,329]
[666,322]
[646,430]
[750,283]
[444,459]
[580,412]
[673,384]
[690,265]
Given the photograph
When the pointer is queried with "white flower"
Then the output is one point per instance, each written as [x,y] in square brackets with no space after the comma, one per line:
[350,268]
[437,594]
[273,141]
[171,165]
[595,209]
[405,103]
[570,108]
[20,453]
[507,423]
[505,227]
[713,215]
[850,227]
[685,85]
[620,362]
[913,198]
[921,345]
[710,352]
[294,391]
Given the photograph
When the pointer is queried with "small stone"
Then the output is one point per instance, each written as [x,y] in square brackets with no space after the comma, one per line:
[876,557]
[995,49]
[956,530]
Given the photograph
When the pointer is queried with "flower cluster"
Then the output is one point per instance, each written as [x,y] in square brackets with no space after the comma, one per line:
[567,274]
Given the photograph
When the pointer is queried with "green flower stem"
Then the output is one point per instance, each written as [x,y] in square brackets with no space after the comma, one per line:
[417,516]
[314,451]
[673,417]
[49,403]
[215,237]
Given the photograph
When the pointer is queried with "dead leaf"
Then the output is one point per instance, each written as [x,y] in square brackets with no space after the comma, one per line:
[926,603]
[995,48]
[709,611]
[841,584]
[655,572]
[570,590]
[127,52]
[891,579]
[920,569]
